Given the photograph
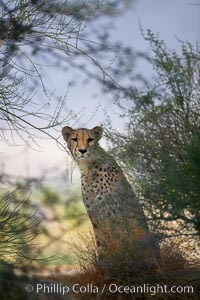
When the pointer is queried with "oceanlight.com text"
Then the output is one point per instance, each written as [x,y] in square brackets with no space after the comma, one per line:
[58,288]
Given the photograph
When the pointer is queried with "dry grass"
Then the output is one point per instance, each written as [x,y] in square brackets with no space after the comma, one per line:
[177,268]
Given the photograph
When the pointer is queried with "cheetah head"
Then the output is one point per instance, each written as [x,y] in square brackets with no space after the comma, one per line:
[82,142]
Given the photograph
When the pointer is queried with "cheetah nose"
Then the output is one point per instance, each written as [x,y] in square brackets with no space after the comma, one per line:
[82,150]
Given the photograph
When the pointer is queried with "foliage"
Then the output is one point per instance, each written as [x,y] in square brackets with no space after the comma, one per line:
[24,238]
[34,33]
[67,206]
[19,226]
[161,147]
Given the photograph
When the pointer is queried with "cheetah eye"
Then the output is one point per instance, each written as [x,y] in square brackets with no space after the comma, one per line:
[90,140]
[74,139]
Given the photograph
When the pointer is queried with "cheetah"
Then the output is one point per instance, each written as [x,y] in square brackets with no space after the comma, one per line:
[112,206]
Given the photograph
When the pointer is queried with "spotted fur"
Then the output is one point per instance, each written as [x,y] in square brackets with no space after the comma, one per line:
[112,206]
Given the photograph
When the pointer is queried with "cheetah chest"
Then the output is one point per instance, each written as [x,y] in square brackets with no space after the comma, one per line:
[98,186]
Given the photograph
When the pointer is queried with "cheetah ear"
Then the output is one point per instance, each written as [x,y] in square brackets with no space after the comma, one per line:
[97,131]
[66,132]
